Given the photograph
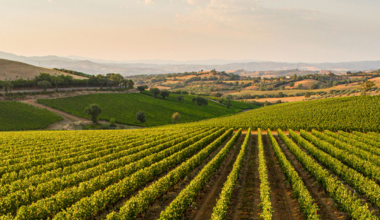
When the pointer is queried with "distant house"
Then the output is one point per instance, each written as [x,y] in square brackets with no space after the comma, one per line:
[288,77]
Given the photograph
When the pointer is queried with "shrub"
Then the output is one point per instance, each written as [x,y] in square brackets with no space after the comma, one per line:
[176,117]
[140,116]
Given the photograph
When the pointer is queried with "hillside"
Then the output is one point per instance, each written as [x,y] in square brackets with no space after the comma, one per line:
[359,113]
[16,116]
[15,70]
[123,107]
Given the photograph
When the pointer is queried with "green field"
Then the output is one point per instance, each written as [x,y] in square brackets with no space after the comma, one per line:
[15,116]
[123,107]
[357,113]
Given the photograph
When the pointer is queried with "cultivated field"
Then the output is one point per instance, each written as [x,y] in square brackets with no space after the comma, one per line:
[189,172]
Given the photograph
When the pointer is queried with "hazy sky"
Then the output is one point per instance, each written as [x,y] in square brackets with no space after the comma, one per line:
[272,30]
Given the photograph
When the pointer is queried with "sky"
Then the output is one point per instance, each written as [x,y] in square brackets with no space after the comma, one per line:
[265,30]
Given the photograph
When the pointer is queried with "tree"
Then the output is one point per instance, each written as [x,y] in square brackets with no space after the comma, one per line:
[56,80]
[112,122]
[314,86]
[291,84]
[228,103]
[94,111]
[44,84]
[180,98]
[115,77]
[366,86]
[165,93]
[200,101]
[155,92]
[102,80]
[140,116]
[307,95]
[141,88]
[130,84]
[229,100]
[8,85]
[176,117]
[300,86]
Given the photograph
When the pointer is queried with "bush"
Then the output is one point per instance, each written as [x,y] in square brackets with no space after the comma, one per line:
[94,111]
[112,122]
[176,117]
[155,92]
[140,116]
[164,93]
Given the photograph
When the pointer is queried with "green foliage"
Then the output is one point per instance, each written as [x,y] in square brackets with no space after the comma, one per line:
[155,92]
[221,208]
[200,100]
[16,116]
[164,93]
[299,190]
[345,199]
[140,116]
[187,196]
[264,182]
[180,98]
[94,111]
[112,122]
[355,113]
[44,84]
[176,117]
[141,88]
[125,106]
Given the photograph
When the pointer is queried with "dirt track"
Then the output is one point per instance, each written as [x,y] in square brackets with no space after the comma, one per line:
[67,118]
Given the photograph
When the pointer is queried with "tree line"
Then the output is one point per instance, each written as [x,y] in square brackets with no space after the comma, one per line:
[45,80]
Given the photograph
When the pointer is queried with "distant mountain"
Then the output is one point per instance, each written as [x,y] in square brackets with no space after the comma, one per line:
[97,66]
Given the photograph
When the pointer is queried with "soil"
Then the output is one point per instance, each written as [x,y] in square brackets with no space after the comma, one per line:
[208,198]
[284,206]
[161,203]
[245,198]
[328,209]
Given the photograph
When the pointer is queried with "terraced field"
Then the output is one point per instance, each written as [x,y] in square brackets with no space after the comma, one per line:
[189,172]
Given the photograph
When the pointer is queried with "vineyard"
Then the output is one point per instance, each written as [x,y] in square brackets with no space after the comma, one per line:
[19,116]
[190,172]
[123,107]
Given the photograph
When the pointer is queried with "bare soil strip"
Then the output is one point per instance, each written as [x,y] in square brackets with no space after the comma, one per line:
[363,198]
[284,206]
[328,209]
[207,199]
[242,203]
[161,203]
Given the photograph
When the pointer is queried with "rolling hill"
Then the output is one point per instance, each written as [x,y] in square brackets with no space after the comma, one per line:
[123,107]
[10,69]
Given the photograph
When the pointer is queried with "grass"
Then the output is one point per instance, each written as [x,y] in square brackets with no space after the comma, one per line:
[123,107]
[15,116]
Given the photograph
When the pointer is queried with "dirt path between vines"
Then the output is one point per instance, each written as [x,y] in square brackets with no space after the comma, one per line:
[165,200]
[327,207]
[245,198]
[208,198]
[284,206]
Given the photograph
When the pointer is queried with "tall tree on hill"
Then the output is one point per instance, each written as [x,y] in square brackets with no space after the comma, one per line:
[94,111]
[8,85]
[140,116]
[44,84]
[155,92]
[164,93]
[366,86]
